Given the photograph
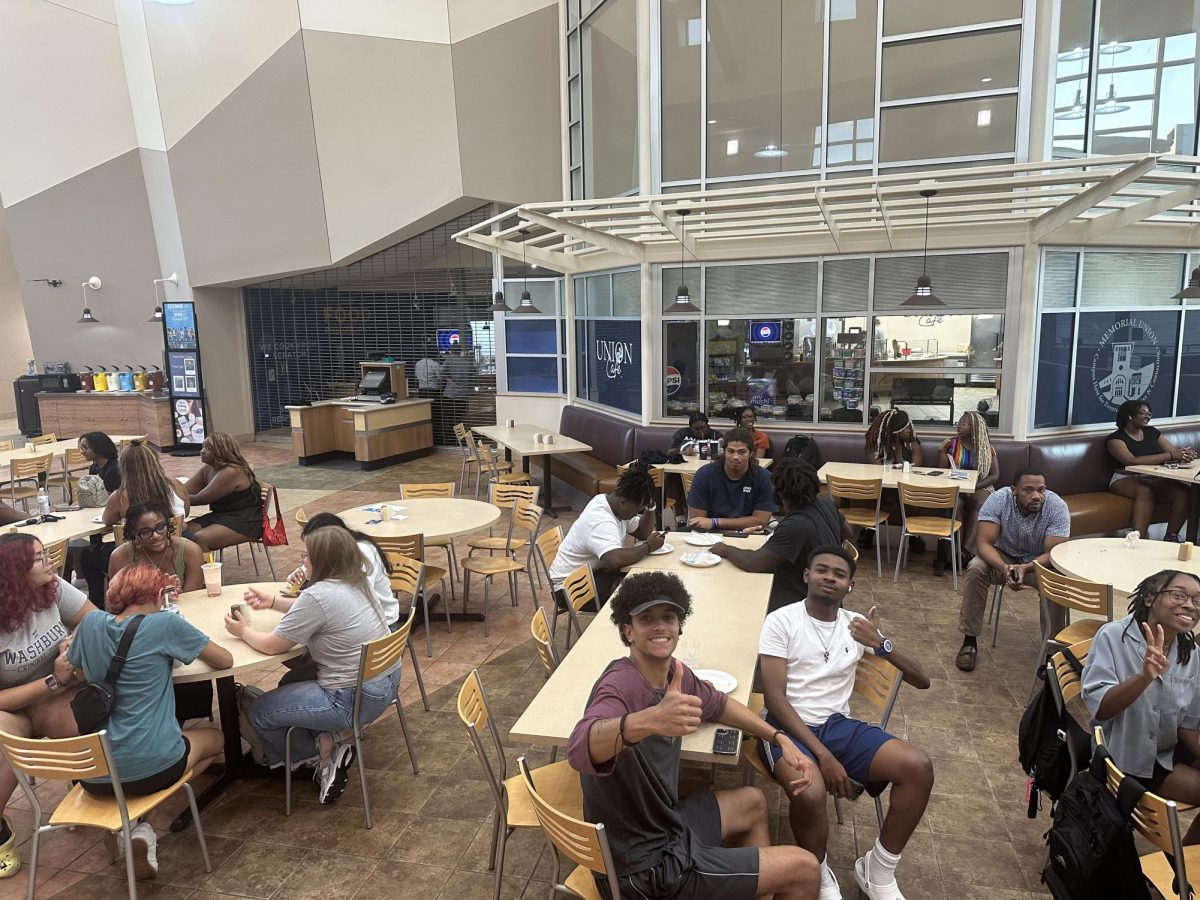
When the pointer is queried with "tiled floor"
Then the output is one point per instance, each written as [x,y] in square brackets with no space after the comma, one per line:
[432,830]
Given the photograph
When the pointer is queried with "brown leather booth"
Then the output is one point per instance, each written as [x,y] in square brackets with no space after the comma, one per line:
[611,441]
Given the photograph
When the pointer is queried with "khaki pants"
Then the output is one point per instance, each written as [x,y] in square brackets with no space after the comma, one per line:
[978,581]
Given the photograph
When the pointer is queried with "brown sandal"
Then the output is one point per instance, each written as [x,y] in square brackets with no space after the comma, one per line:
[966,658]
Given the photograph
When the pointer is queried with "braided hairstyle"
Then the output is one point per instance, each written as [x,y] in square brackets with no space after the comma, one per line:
[982,441]
[795,482]
[881,435]
[636,485]
[1139,607]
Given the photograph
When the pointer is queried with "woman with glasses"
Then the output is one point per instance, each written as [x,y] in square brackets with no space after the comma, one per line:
[150,539]
[747,418]
[333,617]
[1137,442]
[38,612]
[1139,684]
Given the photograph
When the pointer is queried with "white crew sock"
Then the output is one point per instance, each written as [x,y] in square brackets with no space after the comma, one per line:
[883,864]
[827,876]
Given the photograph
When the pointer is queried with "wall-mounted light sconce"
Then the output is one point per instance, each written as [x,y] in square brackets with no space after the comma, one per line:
[87,318]
[53,282]
[173,278]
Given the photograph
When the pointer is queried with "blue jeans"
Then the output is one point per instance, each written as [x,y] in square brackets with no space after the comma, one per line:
[313,709]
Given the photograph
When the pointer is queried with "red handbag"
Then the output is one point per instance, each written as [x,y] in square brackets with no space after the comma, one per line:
[272,535]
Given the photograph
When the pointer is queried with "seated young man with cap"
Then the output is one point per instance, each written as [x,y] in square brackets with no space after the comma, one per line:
[626,749]
[808,657]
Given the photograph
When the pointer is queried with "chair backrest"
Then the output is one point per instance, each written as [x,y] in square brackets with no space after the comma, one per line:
[461,434]
[59,759]
[1075,593]
[58,554]
[74,459]
[407,574]
[1154,818]
[854,488]
[475,713]
[301,516]
[548,543]
[687,477]
[656,473]
[383,653]
[925,496]
[21,468]
[581,842]
[44,439]
[487,459]
[506,496]
[580,587]
[878,682]
[437,490]
[410,545]
[1069,682]
[6,445]
[125,442]
[527,515]
[851,548]
[540,629]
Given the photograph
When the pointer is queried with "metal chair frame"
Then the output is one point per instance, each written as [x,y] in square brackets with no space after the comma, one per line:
[925,497]
[864,489]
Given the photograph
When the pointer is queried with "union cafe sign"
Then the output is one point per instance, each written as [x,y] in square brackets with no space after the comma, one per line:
[614,356]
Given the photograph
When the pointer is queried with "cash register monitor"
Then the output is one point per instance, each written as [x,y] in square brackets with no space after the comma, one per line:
[374,382]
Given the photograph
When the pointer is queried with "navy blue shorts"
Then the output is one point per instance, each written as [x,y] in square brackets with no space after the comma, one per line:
[852,743]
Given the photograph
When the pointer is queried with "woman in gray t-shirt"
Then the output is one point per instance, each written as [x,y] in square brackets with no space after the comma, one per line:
[38,612]
[333,617]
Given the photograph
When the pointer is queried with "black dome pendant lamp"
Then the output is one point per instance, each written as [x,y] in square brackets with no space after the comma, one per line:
[924,295]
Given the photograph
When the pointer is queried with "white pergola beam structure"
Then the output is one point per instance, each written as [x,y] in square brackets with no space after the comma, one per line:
[1048,223]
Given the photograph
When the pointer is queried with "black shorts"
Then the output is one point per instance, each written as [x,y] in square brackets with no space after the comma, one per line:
[151,784]
[698,867]
[1182,758]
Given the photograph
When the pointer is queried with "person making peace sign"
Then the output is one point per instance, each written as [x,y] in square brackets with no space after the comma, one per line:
[1139,684]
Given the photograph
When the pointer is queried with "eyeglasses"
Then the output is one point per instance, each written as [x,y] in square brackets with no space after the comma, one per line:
[43,557]
[1182,598]
[146,533]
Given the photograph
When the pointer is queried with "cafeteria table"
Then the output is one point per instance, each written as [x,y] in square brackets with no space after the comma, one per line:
[1109,561]
[75,523]
[56,448]
[671,562]
[1184,473]
[727,613]
[208,614]
[519,439]
[892,476]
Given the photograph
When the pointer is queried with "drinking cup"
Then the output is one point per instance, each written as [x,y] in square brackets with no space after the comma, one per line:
[212,578]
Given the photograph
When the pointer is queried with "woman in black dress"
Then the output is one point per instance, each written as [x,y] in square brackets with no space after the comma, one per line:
[226,483]
[1137,442]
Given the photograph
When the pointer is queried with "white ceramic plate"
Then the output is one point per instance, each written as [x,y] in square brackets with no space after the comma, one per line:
[702,539]
[722,681]
[701,559]
[663,550]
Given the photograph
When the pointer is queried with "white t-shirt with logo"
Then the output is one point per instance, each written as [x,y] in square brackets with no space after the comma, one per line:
[29,652]
[816,688]
[595,532]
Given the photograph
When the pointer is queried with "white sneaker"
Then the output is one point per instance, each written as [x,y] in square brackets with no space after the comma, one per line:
[874,891]
[145,851]
[333,773]
[830,891]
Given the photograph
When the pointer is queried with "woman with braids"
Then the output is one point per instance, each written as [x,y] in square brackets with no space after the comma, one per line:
[598,536]
[227,484]
[890,438]
[1139,683]
[810,520]
[970,448]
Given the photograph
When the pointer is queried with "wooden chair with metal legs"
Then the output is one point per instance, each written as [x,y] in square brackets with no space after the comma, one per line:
[943,529]
[544,641]
[1065,685]
[557,783]
[443,490]
[42,439]
[526,516]
[408,576]
[863,490]
[489,464]
[582,843]
[1089,597]
[125,442]
[579,589]
[78,759]
[58,554]
[467,446]
[267,495]
[6,444]
[73,462]
[877,682]
[376,658]
[852,549]
[504,497]
[412,546]
[24,477]
[545,546]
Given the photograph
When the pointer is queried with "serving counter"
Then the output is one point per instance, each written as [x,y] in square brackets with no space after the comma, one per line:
[113,412]
[377,434]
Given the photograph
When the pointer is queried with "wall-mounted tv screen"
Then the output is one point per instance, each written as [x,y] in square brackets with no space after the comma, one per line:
[766,332]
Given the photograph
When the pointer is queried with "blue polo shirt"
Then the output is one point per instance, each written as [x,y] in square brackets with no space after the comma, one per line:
[723,498]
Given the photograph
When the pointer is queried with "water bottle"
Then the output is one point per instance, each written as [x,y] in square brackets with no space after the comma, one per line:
[43,500]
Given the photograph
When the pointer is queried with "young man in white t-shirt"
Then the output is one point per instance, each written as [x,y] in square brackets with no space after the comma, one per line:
[598,536]
[808,655]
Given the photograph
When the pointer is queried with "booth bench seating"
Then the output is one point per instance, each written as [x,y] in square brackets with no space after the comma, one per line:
[1077,467]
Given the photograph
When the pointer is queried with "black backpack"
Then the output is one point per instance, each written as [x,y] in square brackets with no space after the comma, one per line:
[801,446]
[1042,740]
[1091,851]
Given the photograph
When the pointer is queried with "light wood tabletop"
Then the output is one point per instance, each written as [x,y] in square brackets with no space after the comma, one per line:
[727,614]
[892,476]
[1188,474]
[433,518]
[75,523]
[208,614]
[57,448]
[519,439]
[1108,561]
[694,464]
[671,562]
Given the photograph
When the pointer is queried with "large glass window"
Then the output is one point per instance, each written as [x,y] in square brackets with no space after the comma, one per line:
[912,16]
[610,101]
[850,127]
[681,43]
[681,367]
[971,127]
[1051,402]
[951,64]
[939,340]
[533,345]
[845,370]
[609,339]
[1123,356]
[769,364]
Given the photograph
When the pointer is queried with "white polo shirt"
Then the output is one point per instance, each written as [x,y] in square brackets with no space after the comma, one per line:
[595,532]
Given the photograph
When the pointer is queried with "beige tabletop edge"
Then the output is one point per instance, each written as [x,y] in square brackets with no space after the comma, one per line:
[1108,561]
[433,518]
[519,439]
[891,477]
[1185,474]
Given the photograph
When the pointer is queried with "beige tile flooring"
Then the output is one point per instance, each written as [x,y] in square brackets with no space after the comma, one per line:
[432,830]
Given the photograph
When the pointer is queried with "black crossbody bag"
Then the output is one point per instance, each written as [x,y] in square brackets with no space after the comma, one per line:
[93,704]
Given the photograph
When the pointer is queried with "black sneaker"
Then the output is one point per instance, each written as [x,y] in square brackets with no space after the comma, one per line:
[333,774]
[916,544]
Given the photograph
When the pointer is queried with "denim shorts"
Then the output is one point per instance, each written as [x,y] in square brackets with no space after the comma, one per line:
[852,743]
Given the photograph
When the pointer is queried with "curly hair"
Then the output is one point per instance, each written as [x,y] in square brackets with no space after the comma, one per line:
[881,435]
[225,451]
[636,485]
[982,440]
[133,586]
[1147,590]
[795,482]
[143,478]
[1129,409]
[18,598]
[102,445]
[740,435]
[637,589]
[833,550]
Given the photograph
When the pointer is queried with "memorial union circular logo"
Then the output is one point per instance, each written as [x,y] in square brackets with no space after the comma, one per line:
[1126,363]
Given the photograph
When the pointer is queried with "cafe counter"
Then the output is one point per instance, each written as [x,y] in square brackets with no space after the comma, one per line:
[113,412]
[376,434]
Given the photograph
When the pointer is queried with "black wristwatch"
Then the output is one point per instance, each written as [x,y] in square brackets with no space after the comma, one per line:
[885,647]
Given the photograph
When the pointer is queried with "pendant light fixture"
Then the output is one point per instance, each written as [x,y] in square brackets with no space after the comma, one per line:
[526,305]
[498,304]
[1192,291]
[1077,109]
[87,318]
[683,301]
[773,150]
[173,278]
[924,296]
[1110,104]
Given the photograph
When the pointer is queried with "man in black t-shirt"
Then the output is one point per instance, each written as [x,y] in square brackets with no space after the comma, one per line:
[732,492]
[684,439]
[809,521]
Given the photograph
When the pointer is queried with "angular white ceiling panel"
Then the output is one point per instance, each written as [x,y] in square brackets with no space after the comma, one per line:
[65,106]
[387,136]
[99,9]
[470,17]
[411,20]
[202,51]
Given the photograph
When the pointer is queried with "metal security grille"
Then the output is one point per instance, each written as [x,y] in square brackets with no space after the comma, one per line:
[308,333]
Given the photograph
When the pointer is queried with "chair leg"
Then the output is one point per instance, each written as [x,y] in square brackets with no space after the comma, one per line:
[412,751]
[879,812]
[998,595]
[428,639]
[270,565]
[33,861]
[529,571]
[130,877]
[837,810]
[487,582]
[412,658]
[191,795]
[878,560]
[500,861]
[899,556]
[253,557]
[955,558]
[287,772]
[362,778]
